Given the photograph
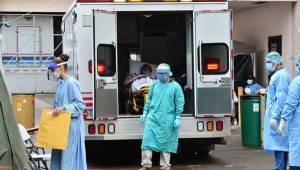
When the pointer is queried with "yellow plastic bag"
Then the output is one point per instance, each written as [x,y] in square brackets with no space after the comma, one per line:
[54,130]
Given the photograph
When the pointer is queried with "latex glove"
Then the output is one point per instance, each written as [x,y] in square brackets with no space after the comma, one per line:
[247,91]
[177,122]
[282,127]
[273,123]
[56,111]
[143,119]
[263,91]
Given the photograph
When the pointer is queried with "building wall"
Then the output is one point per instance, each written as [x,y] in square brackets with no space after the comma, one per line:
[34,5]
[255,25]
[296,29]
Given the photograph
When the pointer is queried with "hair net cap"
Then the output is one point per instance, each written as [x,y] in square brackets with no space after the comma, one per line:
[297,59]
[164,69]
[274,57]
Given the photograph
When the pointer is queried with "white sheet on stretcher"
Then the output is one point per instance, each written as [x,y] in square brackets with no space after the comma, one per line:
[139,83]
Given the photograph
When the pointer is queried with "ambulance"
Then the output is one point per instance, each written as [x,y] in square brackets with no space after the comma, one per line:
[109,43]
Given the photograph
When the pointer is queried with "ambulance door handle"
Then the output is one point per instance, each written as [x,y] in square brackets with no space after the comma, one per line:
[100,84]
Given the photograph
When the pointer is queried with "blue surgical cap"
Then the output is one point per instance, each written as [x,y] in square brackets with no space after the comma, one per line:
[274,57]
[164,68]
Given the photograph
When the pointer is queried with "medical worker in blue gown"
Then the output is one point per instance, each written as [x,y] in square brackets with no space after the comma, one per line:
[68,97]
[276,96]
[161,117]
[252,87]
[291,114]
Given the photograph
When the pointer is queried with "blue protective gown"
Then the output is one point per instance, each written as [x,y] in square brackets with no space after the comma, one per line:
[165,101]
[291,113]
[277,92]
[68,97]
[253,88]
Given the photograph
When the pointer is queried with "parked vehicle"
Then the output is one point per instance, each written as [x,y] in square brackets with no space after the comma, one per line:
[110,41]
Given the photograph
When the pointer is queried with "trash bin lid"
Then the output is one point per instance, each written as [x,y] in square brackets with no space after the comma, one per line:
[245,97]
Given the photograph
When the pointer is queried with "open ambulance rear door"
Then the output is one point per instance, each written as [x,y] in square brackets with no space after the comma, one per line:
[105,65]
[213,66]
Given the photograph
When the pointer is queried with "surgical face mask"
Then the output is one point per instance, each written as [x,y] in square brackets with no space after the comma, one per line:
[55,76]
[147,73]
[297,70]
[162,77]
[249,82]
[270,67]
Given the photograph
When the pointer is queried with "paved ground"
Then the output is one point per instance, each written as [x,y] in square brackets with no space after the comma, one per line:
[228,157]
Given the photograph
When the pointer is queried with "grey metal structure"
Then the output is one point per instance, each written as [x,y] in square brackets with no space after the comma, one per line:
[27,48]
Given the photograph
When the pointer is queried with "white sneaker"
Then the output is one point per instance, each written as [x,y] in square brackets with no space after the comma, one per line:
[165,168]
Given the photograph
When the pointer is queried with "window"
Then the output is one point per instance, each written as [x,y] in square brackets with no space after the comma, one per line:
[57,24]
[106,60]
[215,57]
[86,20]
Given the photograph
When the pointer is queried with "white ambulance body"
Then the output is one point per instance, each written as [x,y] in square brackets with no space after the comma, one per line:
[108,41]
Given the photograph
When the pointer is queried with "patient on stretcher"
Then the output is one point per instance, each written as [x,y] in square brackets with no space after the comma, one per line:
[137,87]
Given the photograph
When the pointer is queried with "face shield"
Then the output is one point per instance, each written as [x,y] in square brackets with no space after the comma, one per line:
[51,74]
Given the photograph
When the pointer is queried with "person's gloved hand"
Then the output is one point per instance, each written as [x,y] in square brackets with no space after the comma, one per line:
[263,91]
[177,122]
[282,127]
[273,123]
[247,91]
[143,118]
[57,111]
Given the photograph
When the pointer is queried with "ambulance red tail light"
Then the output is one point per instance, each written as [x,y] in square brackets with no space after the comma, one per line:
[212,65]
[90,66]
[91,129]
[219,125]
[101,69]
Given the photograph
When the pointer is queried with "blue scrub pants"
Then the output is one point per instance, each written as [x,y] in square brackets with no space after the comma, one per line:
[281,159]
[294,167]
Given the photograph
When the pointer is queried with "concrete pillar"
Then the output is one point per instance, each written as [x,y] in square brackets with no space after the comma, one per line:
[296,31]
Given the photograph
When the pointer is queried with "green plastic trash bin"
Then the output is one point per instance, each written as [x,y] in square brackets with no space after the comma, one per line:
[251,120]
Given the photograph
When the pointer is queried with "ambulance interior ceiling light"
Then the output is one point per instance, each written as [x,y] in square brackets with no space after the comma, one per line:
[147,15]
